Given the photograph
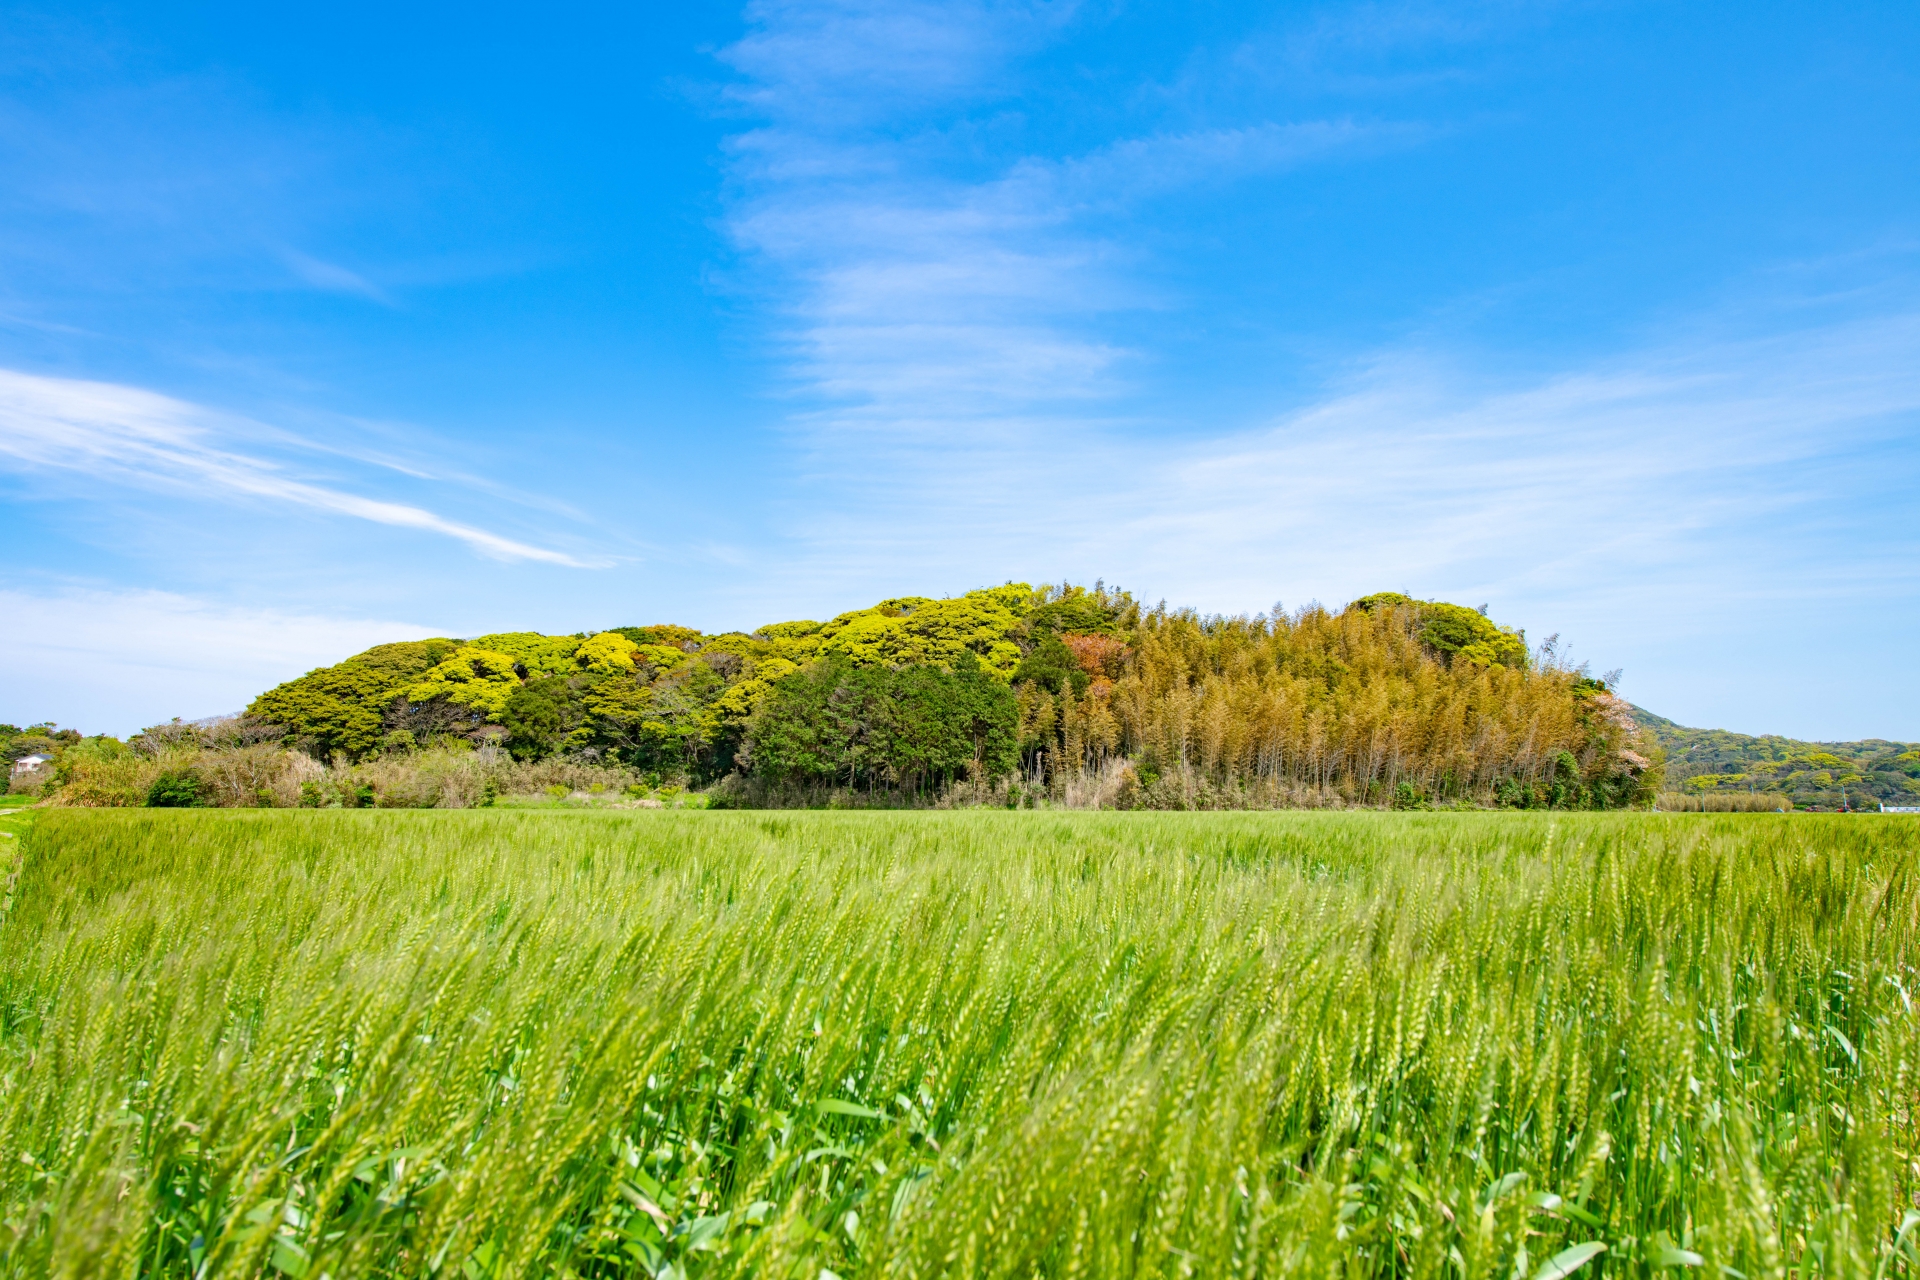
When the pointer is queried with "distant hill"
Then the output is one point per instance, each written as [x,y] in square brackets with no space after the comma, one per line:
[1063,695]
[1389,700]
[1820,775]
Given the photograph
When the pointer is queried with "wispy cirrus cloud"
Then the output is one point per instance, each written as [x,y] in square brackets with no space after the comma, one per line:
[1616,478]
[1622,477]
[949,320]
[982,339]
[134,437]
[850,62]
[917,283]
[331,277]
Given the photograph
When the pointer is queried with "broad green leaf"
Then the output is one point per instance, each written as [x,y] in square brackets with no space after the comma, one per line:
[1500,1189]
[1662,1251]
[648,1253]
[1568,1261]
[640,1201]
[819,1152]
[1673,1256]
[701,1230]
[288,1258]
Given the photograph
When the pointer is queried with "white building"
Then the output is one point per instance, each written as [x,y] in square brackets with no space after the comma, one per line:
[27,764]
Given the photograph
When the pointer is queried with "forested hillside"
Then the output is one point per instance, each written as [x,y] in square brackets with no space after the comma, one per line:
[1068,694]
[1824,775]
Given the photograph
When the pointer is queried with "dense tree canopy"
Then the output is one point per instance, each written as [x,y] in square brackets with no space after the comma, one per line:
[1817,774]
[914,727]
[17,743]
[1389,698]
[344,708]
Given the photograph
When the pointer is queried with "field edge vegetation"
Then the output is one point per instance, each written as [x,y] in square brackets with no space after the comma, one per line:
[1063,696]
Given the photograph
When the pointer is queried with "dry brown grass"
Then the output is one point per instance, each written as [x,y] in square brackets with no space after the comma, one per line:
[1723,802]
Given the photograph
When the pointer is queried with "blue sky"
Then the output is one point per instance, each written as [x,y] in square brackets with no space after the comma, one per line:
[321,326]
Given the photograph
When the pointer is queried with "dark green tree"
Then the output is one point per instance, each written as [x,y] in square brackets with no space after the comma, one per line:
[911,729]
[176,789]
[542,716]
[1053,666]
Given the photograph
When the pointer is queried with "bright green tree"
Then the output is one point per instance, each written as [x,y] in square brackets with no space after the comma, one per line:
[341,708]
[608,653]
[1455,630]
[480,679]
[536,654]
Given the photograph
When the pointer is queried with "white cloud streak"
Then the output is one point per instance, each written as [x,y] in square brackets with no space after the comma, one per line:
[137,437]
[333,278]
[1620,479]
[841,62]
[1615,477]
[914,301]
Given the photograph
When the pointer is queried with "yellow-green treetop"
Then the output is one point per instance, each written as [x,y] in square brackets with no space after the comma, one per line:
[539,655]
[607,654]
[1390,692]
[482,679]
[1456,630]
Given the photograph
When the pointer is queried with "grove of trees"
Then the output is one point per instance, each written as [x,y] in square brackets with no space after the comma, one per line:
[1061,691]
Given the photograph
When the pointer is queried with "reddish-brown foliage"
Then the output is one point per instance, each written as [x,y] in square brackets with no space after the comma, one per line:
[1098,655]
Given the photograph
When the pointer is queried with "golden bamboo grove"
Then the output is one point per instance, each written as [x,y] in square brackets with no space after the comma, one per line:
[1318,705]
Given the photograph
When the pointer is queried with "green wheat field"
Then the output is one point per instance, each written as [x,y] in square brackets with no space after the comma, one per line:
[492,1044]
